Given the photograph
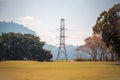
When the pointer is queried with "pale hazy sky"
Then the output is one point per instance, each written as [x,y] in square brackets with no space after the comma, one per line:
[43,16]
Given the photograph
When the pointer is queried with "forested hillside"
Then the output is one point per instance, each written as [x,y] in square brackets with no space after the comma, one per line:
[7,27]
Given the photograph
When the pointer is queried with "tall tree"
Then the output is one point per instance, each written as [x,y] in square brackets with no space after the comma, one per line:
[108,25]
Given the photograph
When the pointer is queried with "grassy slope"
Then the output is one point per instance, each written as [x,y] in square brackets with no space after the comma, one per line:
[30,70]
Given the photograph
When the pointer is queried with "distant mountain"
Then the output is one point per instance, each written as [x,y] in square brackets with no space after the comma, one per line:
[71,52]
[14,27]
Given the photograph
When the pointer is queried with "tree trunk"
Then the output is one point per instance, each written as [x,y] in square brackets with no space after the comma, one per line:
[103,57]
[115,57]
[100,57]
[112,57]
[118,58]
[106,58]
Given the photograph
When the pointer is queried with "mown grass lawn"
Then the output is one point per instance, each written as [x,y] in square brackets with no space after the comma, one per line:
[66,70]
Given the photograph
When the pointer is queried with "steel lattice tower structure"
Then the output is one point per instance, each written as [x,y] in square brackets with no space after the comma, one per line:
[62,53]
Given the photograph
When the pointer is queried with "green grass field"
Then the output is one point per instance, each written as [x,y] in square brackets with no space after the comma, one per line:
[66,70]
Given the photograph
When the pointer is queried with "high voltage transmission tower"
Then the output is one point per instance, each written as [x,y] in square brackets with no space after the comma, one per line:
[62,53]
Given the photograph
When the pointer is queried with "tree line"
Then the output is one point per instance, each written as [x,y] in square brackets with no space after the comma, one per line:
[97,49]
[105,41]
[17,46]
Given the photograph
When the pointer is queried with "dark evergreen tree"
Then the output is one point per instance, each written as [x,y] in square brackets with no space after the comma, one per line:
[16,46]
